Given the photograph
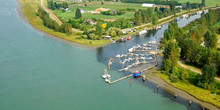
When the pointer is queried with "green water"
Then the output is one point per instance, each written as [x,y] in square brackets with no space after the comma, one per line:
[39,73]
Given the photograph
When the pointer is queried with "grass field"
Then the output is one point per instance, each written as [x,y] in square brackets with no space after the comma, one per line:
[208,2]
[30,7]
[92,6]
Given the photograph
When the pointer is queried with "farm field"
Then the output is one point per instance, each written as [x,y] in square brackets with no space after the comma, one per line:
[92,6]
[207,2]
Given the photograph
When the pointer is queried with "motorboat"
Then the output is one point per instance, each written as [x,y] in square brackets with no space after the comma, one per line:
[142,32]
[105,75]
[118,56]
[137,73]
[129,38]
[107,80]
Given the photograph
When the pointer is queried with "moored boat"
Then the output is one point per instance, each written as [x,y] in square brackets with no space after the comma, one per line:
[142,32]
[137,73]
[129,38]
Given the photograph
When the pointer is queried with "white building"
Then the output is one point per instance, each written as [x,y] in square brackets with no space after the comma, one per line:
[148,5]
[179,7]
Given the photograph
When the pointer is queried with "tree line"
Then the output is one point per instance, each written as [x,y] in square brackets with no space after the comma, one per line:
[187,46]
[54,5]
[159,2]
[48,22]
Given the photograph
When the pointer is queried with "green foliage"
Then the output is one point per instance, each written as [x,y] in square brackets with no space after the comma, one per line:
[113,32]
[99,29]
[65,28]
[211,40]
[138,18]
[172,52]
[203,3]
[155,20]
[207,78]
[54,5]
[78,13]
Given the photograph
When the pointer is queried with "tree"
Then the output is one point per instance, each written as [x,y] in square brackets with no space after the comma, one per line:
[138,18]
[78,13]
[203,3]
[211,40]
[99,30]
[102,3]
[208,76]
[155,20]
[172,52]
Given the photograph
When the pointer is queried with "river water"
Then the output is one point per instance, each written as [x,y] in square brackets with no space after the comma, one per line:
[38,73]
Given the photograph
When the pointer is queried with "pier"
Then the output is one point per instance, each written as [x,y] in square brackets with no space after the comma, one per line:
[120,79]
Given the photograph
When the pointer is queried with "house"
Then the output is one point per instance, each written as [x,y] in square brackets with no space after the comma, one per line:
[179,7]
[102,9]
[113,12]
[82,11]
[104,25]
[108,37]
[90,21]
[76,0]
[148,5]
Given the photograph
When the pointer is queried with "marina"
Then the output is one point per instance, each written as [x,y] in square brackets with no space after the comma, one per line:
[135,56]
[49,73]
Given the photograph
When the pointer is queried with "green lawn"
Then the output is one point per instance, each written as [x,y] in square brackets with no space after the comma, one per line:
[208,2]
[216,24]
[91,6]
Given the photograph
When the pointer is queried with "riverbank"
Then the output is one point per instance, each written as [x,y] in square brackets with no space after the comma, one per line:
[28,13]
[156,77]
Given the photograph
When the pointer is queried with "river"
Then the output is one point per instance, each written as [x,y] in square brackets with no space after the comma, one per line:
[38,73]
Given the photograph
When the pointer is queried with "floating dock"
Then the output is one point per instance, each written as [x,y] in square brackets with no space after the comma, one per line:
[111,82]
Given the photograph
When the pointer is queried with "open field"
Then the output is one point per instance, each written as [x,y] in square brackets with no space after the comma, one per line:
[30,7]
[92,6]
[208,2]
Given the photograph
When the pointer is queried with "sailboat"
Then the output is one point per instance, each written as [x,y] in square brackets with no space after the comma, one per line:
[105,75]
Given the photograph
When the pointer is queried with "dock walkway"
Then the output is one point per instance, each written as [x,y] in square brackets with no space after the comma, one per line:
[111,82]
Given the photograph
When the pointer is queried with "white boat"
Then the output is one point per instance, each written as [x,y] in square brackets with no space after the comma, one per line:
[142,32]
[105,75]
[107,80]
[185,16]
[118,56]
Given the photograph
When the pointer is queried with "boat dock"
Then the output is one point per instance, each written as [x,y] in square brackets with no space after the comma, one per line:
[111,82]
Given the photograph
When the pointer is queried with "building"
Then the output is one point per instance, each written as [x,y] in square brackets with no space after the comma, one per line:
[90,21]
[148,5]
[102,9]
[179,7]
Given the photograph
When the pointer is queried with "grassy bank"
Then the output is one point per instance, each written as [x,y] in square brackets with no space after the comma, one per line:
[30,8]
[197,92]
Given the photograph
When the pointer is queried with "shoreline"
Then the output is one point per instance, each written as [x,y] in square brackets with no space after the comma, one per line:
[155,79]
[21,15]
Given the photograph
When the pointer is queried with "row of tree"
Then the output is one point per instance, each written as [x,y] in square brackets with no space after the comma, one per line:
[65,28]
[143,16]
[159,2]
[120,23]
[54,5]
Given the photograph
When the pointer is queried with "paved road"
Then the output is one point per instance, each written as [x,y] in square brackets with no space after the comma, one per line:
[54,17]
[191,69]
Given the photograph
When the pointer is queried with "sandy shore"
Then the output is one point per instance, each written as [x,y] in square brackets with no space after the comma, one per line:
[23,18]
[150,75]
